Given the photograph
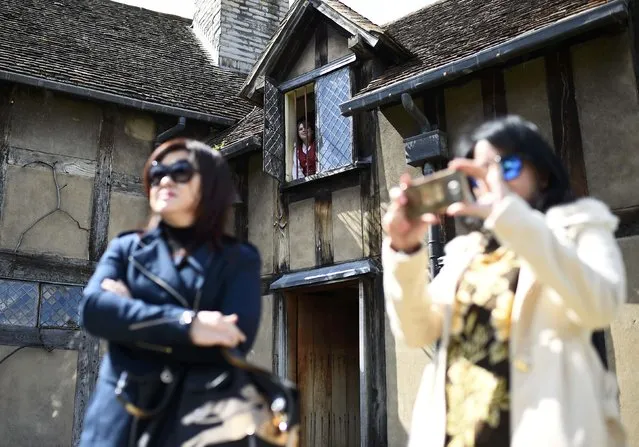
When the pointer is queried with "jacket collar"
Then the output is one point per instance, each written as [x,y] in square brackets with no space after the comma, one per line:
[153,257]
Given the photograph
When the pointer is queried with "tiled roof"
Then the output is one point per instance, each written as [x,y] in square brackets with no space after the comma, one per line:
[248,127]
[452,29]
[353,16]
[117,49]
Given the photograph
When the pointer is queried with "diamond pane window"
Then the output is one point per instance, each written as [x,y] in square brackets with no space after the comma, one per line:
[335,132]
[60,306]
[18,303]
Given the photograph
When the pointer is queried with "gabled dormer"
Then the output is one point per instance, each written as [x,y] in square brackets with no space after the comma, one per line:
[306,71]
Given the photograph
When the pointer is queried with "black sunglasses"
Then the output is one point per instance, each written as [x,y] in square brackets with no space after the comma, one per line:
[180,172]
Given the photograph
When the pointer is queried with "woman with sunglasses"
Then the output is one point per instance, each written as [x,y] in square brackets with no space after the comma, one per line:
[513,309]
[173,294]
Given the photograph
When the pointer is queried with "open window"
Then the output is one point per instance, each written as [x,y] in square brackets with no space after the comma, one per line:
[304,132]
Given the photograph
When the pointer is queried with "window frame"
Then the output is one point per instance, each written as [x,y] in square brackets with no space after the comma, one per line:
[289,119]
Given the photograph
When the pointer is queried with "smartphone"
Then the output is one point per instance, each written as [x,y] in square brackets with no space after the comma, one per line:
[435,192]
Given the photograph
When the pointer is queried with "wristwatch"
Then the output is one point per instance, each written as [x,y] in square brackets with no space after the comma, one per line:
[187,317]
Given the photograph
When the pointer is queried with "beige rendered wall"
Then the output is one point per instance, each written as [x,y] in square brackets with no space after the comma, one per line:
[608,113]
[262,352]
[464,110]
[262,189]
[404,366]
[625,339]
[301,234]
[37,397]
[306,61]
[337,44]
[526,94]
[128,212]
[347,224]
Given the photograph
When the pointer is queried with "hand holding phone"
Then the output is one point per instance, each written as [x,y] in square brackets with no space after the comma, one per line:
[436,192]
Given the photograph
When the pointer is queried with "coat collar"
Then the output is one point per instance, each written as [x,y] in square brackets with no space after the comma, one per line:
[153,258]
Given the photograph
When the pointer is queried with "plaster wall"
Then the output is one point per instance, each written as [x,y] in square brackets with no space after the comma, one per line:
[133,142]
[404,369]
[261,206]
[306,61]
[526,94]
[347,224]
[29,195]
[464,110]
[128,212]
[262,352]
[65,126]
[337,44]
[394,126]
[38,390]
[301,231]
[625,339]
[606,97]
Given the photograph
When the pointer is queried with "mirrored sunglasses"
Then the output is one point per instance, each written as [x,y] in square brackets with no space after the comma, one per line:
[511,167]
[181,171]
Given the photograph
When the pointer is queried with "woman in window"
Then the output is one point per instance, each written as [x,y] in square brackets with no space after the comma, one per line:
[170,296]
[305,151]
[514,307]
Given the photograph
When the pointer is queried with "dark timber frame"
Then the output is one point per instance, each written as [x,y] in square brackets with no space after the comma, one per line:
[56,269]
[493,92]
[565,118]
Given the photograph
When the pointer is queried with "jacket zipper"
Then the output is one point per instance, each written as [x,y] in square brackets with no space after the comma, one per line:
[160,282]
[149,323]
[152,347]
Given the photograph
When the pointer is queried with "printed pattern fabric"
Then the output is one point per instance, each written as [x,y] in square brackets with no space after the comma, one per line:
[477,373]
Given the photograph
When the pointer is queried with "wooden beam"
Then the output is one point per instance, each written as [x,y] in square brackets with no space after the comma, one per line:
[88,366]
[323,228]
[633,28]
[98,236]
[493,92]
[49,338]
[126,183]
[309,77]
[628,221]
[44,268]
[321,44]
[565,118]
[281,252]
[6,101]
[63,164]
[372,382]
[308,187]
[241,168]
[281,361]
[367,145]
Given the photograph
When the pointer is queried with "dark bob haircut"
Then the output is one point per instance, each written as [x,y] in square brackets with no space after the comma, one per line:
[514,135]
[217,193]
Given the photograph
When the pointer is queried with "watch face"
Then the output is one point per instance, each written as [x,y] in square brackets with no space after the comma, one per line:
[187,317]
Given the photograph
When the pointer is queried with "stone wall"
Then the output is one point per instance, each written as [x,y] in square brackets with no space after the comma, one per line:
[236,31]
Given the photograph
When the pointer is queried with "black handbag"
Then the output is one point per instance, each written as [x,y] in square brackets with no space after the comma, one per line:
[189,406]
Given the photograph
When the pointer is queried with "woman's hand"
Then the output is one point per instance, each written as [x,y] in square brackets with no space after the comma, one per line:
[211,328]
[405,235]
[490,184]
[115,286]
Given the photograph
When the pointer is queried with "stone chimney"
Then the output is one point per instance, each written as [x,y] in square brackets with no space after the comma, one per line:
[236,31]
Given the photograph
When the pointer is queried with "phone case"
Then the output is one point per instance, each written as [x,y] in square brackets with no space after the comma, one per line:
[434,193]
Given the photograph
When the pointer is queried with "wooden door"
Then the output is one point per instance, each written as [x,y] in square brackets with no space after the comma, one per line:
[327,361]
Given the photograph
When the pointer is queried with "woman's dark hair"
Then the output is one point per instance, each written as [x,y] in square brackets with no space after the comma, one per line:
[514,135]
[217,190]
[309,123]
